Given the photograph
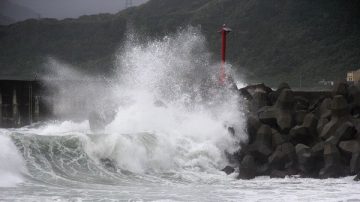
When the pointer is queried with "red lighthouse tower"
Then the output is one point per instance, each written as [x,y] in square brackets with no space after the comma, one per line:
[224,31]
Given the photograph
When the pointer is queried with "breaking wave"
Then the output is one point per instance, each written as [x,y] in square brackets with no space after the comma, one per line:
[168,119]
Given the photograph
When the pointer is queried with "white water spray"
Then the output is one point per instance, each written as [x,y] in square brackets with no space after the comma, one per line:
[170,114]
[12,166]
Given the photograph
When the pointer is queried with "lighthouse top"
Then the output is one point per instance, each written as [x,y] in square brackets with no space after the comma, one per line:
[225,28]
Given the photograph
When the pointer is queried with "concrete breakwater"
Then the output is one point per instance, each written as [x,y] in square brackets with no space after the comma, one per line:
[311,134]
[22,103]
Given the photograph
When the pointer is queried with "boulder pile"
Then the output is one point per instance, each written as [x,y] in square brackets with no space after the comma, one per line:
[294,134]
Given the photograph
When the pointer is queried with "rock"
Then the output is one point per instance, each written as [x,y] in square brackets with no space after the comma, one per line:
[318,153]
[351,150]
[228,170]
[318,149]
[332,140]
[329,129]
[356,123]
[262,147]
[350,146]
[340,88]
[278,174]
[357,177]
[301,148]
[283,156]
[338,103]
[277,139]
[267,115]
[245,93]
[284,110]
[315,106]
[286,99]
[330,149]
[250,90]
[233,158]
[301,103]
[264,88]
[281,115]
[247,168]
[239,155]
[263,169]
[285,121]
[299,117]
[311,122]
[253,124]
[260,99]
[283,85]
[305,133]
[353,93]
[264,135]
[333,167]
[345,131]
[324,133]
[306,160]
[323,113]
[321,123]
[355,163]
[339,115]
[275,94]
[300,134]
[354,100]
[355,110]
[324,108]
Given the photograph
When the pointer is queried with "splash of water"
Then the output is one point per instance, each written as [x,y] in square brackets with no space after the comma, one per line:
[12,165]
[188,130]
[170,114]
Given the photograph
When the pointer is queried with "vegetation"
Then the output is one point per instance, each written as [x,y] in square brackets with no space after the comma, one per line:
[271,41]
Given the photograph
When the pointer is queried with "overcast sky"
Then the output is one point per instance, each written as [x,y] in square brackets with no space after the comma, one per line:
[73,8]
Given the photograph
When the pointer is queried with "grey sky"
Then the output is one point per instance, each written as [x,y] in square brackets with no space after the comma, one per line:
[73,8]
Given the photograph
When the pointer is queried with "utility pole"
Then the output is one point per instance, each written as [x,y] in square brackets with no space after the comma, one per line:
[224,31]
[128,3]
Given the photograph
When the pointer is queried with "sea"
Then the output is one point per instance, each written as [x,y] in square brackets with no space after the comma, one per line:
[164,134]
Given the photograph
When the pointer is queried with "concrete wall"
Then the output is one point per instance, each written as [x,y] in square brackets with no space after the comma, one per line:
[22,103]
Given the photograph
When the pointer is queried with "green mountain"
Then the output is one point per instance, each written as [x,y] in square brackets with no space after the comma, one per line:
[272,40]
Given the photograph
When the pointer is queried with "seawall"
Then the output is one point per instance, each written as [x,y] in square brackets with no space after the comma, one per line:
[311,134]
[22,102]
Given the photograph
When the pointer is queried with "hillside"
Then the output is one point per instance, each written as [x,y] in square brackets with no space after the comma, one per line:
[5,20]
[61,9]
[272,40]
[10,10]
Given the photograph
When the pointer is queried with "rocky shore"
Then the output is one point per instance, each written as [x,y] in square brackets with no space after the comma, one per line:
[311,134]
